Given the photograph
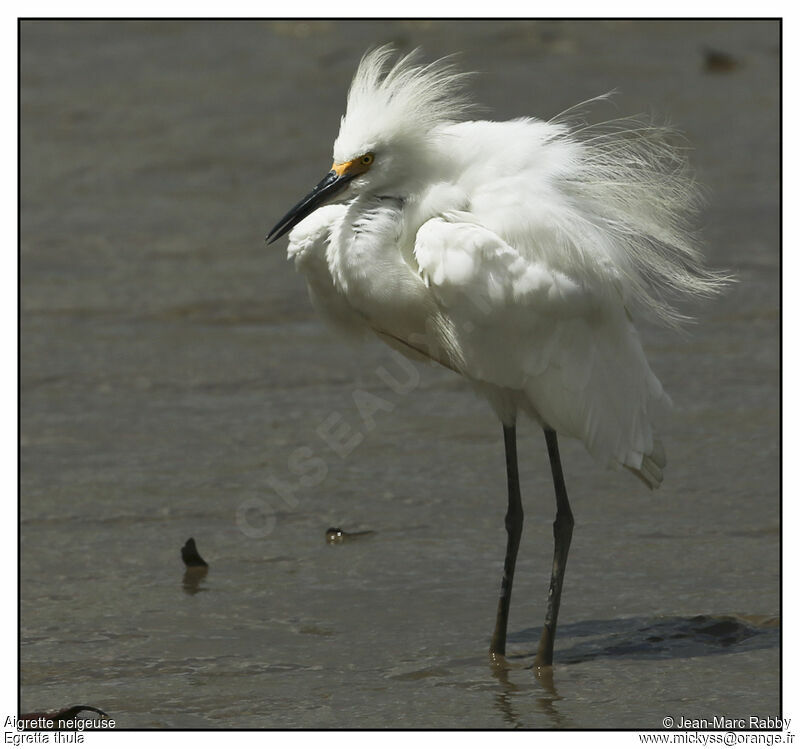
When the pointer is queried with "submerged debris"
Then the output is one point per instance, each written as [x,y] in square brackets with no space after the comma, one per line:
[338,536]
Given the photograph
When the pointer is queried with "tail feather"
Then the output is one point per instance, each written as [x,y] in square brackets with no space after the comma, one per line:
[651,471]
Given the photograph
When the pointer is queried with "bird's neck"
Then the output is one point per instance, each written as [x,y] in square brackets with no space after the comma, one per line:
[367,264]
[366,240]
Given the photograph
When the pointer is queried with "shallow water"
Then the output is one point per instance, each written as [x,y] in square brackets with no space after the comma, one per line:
[172,366]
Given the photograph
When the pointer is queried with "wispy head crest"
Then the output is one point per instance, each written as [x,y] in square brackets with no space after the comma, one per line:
[404,99]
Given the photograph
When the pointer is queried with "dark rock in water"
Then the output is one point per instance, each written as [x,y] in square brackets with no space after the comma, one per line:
[64,714]
[715,61]
[191,557]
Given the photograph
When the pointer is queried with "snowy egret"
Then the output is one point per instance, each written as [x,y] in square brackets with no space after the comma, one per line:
[514,253]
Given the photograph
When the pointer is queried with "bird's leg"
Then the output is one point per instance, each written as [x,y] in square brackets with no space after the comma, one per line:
[514,519]
[562,533]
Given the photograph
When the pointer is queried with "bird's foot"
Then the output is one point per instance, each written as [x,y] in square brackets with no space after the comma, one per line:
[544,675]
[498,660]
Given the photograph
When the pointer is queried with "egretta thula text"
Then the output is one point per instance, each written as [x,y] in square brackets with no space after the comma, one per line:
[518,254]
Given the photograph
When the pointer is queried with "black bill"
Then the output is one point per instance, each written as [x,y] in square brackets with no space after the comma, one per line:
[329,186]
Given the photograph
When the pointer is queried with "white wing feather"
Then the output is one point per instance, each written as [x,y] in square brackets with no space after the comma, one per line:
[526,327]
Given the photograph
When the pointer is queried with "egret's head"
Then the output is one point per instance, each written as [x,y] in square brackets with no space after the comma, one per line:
[394,110]
[388,137]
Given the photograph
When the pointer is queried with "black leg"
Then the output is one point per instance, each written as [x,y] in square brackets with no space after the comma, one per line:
[562,533]
[514,519]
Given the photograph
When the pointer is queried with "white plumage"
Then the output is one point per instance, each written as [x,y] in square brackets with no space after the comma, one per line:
[511,252]
[517,254]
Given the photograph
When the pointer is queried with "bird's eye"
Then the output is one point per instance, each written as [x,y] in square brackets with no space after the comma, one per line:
[367,159]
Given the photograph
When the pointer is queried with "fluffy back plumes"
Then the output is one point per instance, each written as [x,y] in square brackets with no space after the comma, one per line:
[636,198]
[397,102]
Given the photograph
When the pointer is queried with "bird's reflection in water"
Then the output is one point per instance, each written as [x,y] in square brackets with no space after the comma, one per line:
[550,696]
[500,670]
[545,702]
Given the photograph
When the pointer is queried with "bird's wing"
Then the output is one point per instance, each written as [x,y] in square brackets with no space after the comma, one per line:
[611,200]
[571,348]
[308,243]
